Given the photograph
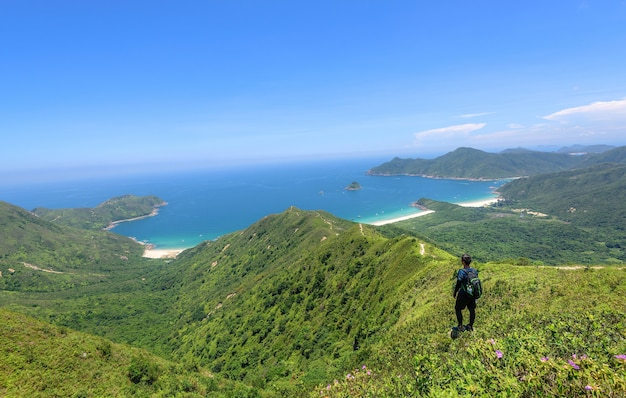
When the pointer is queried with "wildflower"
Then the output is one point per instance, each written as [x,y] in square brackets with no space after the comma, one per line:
[363,367]
[545,359]
[499,354]
[588,388]
[369,373]
[492,341]
[328,387]
[573,364]
[620,356]
[349,376]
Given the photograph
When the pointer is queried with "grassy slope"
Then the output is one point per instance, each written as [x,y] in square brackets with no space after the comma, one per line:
[539,319]
[41,360]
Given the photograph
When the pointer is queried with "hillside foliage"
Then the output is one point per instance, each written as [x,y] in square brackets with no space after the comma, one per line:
[302,303]
[477,164]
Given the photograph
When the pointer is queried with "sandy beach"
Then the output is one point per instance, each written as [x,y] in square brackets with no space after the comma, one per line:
[477,203]
[392,220]
[161,253]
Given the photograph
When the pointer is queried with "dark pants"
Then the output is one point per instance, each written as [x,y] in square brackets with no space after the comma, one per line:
[463,300]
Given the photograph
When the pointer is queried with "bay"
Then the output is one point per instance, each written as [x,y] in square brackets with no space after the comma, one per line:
[205,204]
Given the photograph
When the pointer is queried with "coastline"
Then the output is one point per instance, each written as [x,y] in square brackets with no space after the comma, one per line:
[475,203]
[434,177]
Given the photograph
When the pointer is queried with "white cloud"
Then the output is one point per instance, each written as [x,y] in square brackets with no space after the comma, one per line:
[596,111]
[442,137]
[470,115]
[515,126]
[459,129]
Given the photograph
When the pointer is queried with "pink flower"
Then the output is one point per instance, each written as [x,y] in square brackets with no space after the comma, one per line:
[492,341]
[620,356]
[573,364]
[588,388]
[499,353]
[545,359]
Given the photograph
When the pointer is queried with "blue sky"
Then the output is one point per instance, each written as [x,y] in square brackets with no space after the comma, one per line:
[149,84]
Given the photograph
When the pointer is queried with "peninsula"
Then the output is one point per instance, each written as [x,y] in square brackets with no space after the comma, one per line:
[106,215]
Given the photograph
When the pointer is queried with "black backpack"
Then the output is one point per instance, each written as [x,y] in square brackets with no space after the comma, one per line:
[472,285]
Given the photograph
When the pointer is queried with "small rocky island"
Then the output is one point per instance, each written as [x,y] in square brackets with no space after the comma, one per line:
[354,186]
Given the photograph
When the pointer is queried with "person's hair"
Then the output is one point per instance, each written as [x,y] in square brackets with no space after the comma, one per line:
[466,259]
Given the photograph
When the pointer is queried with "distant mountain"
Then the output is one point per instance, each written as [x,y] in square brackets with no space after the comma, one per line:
[476,164]
[586,149]
[615,155]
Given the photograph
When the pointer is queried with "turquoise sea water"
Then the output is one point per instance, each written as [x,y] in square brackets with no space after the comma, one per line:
[204,205]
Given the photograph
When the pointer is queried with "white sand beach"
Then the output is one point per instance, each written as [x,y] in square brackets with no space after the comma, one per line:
[392,220]
[161,253]
[477,203]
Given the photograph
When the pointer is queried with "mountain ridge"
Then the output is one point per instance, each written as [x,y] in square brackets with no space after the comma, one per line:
[469,163]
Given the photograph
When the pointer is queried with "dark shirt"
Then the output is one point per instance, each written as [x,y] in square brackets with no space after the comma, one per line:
[461,276]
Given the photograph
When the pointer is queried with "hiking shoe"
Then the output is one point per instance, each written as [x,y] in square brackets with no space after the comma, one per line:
[468,328]
[461,328]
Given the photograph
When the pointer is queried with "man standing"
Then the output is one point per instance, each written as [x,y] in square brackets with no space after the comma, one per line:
[463,297]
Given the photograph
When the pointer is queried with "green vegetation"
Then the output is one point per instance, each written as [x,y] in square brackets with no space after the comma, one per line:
[42,360]
[569,217]
[509,233]
[305,304]
[354,186]
[298,299]
[473,163]
[29,243]
[117,209]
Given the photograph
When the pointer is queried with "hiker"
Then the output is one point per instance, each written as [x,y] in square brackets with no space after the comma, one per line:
[463,297]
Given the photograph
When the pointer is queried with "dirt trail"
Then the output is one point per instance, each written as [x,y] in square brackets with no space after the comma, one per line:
[36,268]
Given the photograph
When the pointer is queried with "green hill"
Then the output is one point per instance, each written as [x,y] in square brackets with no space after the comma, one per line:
[42,360]
[37,249]
[122,208]
[615,155]
[301,299]
[593,197]
[476,164]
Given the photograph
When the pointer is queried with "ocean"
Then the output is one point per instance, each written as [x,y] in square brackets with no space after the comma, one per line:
[205,204]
